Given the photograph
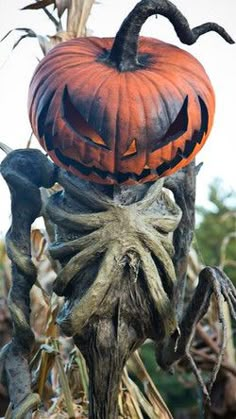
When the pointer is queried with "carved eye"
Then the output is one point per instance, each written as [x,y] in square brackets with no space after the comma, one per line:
[189,144]
[198,135]
[177,128]
[132,149]
[73,117]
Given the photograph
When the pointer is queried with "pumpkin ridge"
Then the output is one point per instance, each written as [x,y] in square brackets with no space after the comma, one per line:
[150,80]
[144,125]
[175,85]
[136,82]
[45,82]
[160,94]
[73,46]
[89,98]
[190,84]
[197,74]
[170,92]
[93,115]
[207,85]
[148,87]
[149,84]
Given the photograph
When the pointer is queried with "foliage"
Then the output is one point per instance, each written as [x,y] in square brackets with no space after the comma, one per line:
[216,233]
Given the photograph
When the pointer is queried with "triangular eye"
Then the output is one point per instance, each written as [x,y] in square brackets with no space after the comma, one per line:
[178,127]
[132,149]
[77,123]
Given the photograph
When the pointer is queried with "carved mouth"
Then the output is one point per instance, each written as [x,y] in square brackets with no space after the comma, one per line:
[81,127]
[120,177]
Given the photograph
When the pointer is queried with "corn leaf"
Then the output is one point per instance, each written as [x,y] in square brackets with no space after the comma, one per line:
[65,387]
[78,14]
[150,389]
[5,148]
[28,32]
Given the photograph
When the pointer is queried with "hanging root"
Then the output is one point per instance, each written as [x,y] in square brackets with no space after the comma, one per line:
[199,378]
[159,296]
[109,273]
[218,290]
[24,171]
[76,222]
[222,288]
[150,239]
[77,264]
[212,281]
[62,250]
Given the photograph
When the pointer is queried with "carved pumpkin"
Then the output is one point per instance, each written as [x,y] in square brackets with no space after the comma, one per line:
[124,110]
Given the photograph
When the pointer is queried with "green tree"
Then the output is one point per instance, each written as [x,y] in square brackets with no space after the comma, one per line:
[216,232]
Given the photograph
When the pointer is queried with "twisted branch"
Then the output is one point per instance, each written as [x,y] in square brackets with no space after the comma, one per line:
[23,174]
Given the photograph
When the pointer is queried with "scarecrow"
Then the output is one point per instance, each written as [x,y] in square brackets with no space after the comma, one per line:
[121,120]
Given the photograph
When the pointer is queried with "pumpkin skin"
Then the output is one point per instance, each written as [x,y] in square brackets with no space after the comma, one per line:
[120,127]
[128,109]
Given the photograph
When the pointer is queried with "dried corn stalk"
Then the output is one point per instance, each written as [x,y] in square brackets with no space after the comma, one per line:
[77,11]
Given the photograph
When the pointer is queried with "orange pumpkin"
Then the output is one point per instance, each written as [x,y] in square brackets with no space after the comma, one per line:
[126,110]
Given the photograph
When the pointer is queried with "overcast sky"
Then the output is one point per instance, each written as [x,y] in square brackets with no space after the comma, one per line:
[218,58]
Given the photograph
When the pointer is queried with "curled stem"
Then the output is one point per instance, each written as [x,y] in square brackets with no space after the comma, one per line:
[124,52]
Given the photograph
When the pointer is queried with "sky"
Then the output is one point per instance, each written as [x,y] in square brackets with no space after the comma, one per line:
[218,58]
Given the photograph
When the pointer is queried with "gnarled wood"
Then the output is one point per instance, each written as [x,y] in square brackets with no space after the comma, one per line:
[118,274]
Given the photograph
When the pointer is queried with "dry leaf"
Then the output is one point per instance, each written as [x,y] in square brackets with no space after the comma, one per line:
[38,244]
[61,6]
[5,148]
[39,5]
[153,396]
[58,38]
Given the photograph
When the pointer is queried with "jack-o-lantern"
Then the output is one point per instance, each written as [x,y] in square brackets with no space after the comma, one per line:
[124,110]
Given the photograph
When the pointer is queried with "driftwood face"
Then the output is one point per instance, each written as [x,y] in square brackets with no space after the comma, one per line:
[125,253]
[117,276]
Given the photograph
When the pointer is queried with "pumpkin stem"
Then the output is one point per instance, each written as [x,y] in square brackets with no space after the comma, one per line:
[124,52]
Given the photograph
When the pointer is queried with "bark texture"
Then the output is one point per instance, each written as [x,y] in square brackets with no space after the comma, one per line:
[119,249]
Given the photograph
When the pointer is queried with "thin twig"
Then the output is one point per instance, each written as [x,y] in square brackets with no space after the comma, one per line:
[226,365]
[56,22]
[207,339]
